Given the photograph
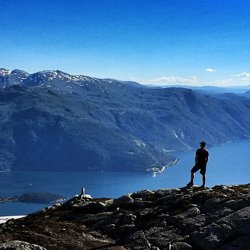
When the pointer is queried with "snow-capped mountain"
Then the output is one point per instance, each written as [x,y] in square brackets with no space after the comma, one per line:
[53,120]
[58,80]
[14,77]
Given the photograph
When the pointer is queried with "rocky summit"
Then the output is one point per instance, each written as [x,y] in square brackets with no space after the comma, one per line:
[210,218]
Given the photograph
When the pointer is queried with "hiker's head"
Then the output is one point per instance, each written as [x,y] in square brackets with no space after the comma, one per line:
[202,144]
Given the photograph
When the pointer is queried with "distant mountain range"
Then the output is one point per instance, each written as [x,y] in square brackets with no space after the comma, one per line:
[51,120]
[208,89]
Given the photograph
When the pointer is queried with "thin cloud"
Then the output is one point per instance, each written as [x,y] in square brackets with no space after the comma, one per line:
[242,79]
[171,80]
[223,82]
[245,75]
[210,70]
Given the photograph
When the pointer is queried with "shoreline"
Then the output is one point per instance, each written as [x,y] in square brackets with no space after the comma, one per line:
[4,219]
[159,170]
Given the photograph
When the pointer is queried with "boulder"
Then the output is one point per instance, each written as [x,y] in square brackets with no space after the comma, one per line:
[144,194]
[123,201]
[181,246]
[90,207]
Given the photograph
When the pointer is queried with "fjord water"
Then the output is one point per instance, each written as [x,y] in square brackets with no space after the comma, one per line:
[228,164]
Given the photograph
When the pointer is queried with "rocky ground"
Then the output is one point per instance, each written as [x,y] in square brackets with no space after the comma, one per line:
[216,218]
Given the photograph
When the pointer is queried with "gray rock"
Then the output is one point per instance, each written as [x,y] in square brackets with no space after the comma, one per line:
[144,194]
[237,204]
[123,201]
[226,229]
[212,204]
[193,223]
[138,240]
[126,228]
[128,218]
[212,236]
[155,248]
[20,245]
[90,207]
[240,221]
[163,192]
[142,204]
[223,188]
[181,246]
[193,211]
[109,228]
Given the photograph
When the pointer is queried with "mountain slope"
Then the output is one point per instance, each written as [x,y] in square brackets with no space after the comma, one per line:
[43,130]
[51,120]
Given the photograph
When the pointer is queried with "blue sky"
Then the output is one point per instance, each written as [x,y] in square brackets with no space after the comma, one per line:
[151,41]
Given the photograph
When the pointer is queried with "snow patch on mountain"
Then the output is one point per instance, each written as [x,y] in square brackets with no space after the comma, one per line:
[4,72]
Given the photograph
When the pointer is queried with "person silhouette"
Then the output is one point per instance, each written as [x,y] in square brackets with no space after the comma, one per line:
[201,159]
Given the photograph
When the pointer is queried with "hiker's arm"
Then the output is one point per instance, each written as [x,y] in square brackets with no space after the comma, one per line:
[207,157]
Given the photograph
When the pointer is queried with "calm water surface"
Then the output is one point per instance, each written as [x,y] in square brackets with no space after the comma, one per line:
[228,164]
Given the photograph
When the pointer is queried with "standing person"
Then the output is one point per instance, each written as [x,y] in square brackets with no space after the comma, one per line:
[201,159]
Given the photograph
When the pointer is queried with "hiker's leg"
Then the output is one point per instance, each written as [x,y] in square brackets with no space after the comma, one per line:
[203,173]
[193,171]
[203,180]
[192,177]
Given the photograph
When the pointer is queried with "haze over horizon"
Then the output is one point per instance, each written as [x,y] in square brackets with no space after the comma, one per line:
[152,42]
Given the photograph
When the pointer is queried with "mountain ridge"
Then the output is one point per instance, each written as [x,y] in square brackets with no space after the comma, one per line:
[44,76]
[54,123]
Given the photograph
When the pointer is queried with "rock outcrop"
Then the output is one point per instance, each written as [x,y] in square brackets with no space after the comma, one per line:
[211,218]
[20,245]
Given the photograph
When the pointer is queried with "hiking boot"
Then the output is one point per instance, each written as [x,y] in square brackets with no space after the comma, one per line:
[190,184]
[202,186]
